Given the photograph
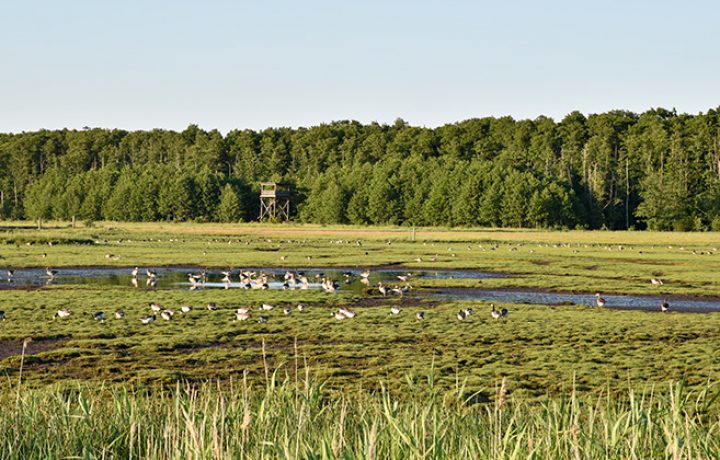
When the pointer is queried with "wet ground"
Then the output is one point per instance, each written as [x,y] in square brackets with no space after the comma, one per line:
[349,279]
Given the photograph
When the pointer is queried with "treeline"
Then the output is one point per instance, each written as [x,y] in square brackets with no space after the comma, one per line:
[613,170]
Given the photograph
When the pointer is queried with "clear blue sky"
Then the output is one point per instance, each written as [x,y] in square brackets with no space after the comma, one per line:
[223,64]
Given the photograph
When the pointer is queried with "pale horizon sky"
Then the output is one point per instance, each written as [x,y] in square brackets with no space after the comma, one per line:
[250,64]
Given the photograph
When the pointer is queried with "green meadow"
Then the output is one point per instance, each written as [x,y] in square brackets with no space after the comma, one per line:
[573,381]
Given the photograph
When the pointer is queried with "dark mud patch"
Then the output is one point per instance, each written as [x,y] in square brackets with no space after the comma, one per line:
[10,348]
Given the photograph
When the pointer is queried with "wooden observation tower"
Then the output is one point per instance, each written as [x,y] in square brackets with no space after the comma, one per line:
[274,201]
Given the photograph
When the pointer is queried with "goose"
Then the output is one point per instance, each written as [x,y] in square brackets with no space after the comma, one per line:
[395,311]
[404,278]
[461,315]
[656,281]
[420,315]
[241,316]
[494,313]
[64,313]
[263,319]
[347,312]
[10,273]
[242,310]
[365,274]
[167,315]
[120,314]
[599,301]
[339,316]
[504,312]
[2,315]
[287,310]
[185,308]
[301,307]
[99,316]
[147,319]
[50,273]
[156,307]
[266,307]
[212,306]
[135,272]
[382,289]
[469,311]
[664,306]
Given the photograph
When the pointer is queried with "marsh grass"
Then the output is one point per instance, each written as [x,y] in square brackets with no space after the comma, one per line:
[292,419]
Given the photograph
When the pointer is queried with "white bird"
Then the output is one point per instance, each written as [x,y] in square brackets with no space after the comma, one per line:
[50,273]
[134,272]
[347,312]
[382,289]
[365,274]
[64,313]
[395,311]
[599,301]
[242,310]
[151,273]
[99,316]
[339,316]
[404,278]
[147,319]
[241,316]
[120,314]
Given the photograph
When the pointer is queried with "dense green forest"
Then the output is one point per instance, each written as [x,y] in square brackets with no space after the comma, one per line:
[615,170]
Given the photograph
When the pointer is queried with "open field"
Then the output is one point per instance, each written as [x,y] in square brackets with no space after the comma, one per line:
[541,352]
